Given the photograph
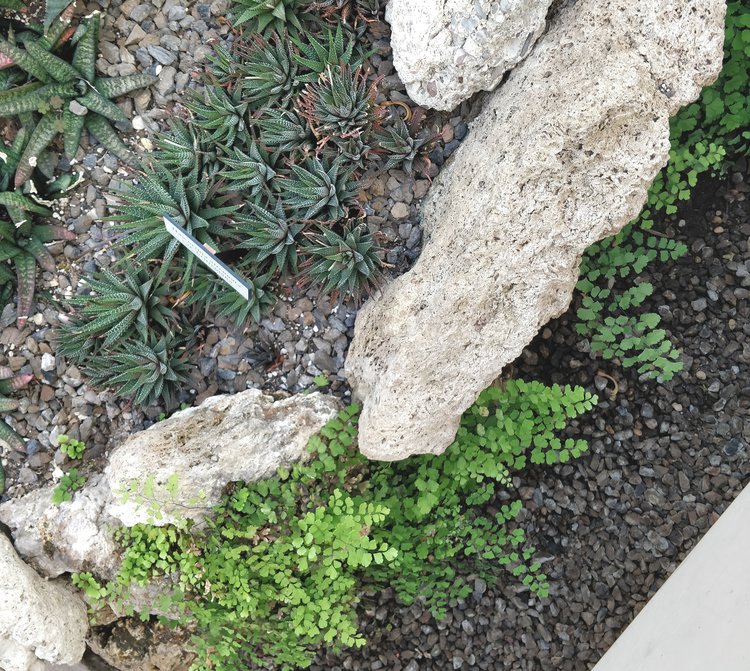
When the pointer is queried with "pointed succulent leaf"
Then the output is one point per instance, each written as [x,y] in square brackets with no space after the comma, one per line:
[60,70]
[26,279]
[21,202]
[24,60]
[49,232]
[97,103]
[40,139]
[118,86]
[84,58]
[15,441]
[103,132]
[31,97]
[73,129]
[41,254]
[8,404]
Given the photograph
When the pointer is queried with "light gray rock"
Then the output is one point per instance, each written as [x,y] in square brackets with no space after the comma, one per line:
[562,155]
[59,539]
[245,436]
[39,620]
[446,50]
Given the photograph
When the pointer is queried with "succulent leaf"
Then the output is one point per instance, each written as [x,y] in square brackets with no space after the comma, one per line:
[84,58]
[40,139]
[107,137]
[24,60]
[26,279]
[96,103]
[271,235]
[118,86]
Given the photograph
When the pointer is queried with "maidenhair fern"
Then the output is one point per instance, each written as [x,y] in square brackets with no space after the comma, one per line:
[705,137]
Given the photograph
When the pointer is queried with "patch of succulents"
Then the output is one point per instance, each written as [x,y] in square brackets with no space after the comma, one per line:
[340,105]
[334,49]
[23,234]
[272,81]
[10,382]
[193,201]
[223,115]
[346,262]
[147,371]
[185,148]
[265,170]
[320,188]
[251,173]
[205,295]
[271,16]
[398,146]
[67,97]
[270,235]
[112,309]
[285,132]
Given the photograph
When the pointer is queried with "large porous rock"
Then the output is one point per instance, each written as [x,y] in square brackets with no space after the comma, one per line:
[446,50]
[74,536]
[39,620]
[175,470]
[245,436]
[562,155]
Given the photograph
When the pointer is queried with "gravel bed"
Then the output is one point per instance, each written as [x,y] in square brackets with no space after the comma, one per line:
[665,461]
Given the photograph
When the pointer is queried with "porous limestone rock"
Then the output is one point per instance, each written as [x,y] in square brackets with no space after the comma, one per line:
[39,620]
[244,436]
[446,50]
[73,536]
[562,155]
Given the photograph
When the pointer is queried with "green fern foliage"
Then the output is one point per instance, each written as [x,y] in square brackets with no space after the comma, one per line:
[705,137]
[307,541]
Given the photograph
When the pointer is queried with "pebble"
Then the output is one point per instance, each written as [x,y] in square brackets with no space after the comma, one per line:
[400,211]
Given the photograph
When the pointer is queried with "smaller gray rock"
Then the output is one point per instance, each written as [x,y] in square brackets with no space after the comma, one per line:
[161,55]
[140,12]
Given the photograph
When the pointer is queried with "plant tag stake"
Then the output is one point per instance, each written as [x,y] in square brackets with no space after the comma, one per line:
[207,258]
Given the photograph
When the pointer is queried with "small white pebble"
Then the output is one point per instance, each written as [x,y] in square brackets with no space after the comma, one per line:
[48,362]
[138,123]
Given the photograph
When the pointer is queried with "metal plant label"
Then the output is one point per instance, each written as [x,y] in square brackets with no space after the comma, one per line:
[207,258]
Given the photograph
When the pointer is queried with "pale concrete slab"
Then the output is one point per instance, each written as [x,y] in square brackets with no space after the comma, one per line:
[700,618]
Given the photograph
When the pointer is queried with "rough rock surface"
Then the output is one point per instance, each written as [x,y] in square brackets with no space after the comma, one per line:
[245,436]
[39,620]
[447,50]
[562,156]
